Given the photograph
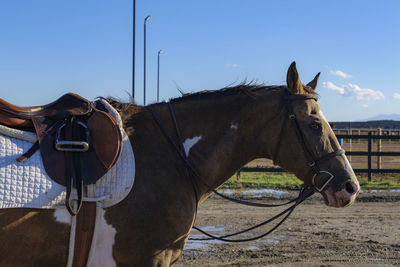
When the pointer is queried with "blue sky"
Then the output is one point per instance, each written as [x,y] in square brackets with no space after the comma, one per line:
[48,48]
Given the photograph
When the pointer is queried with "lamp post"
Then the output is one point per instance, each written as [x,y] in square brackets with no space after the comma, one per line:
[144,61]
[133,49]
[158,75]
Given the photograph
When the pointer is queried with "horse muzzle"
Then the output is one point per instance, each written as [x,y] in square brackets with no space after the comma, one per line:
[344,197]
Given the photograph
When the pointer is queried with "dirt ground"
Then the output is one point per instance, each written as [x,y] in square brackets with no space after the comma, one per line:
[364,234]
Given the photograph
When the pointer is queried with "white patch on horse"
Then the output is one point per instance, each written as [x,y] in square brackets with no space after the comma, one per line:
[62,216]
[104,241]
[189,143]
[234,126]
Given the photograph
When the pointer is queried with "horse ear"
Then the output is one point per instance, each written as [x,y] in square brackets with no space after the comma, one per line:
[314,82]
[293,80]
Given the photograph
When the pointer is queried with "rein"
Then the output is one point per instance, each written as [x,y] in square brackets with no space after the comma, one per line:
[304,193]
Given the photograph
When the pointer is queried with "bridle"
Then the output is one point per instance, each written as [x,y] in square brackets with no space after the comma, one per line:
[304,193]
[311,161]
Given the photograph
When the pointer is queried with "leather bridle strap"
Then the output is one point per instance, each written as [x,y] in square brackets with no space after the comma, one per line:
[326,157]
[178,148]
[312,163]
[292,117]
[278,143]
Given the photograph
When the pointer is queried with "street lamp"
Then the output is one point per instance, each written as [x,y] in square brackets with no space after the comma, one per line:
[158,75]
[144,61]
[133,48]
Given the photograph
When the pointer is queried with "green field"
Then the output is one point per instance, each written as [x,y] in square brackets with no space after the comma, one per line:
[289,181]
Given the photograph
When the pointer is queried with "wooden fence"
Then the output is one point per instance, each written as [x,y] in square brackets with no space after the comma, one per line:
[369,136]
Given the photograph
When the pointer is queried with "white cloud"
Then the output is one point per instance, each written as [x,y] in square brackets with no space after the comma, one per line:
[234,65]
[396,96]
[365,105]
[355,91]
[333,87]
[340,73]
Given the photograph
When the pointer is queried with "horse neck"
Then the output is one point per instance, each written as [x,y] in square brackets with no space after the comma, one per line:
[221,134]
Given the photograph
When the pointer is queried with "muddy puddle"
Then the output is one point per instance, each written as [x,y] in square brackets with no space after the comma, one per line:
[255,193]
[219,230]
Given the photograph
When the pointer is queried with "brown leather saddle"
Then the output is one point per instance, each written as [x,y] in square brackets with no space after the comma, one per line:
[79,142]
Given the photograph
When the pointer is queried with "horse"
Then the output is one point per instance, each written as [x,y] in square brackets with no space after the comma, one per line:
[221,131]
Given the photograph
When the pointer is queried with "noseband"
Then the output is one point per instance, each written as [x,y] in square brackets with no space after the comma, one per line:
[312,162]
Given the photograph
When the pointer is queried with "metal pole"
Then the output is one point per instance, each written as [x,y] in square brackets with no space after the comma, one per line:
[133,49]
[158,75]
[144,60]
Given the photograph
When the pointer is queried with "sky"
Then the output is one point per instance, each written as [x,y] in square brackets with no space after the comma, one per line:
[48,48]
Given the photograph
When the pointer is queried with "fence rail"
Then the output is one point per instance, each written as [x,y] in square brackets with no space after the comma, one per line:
[369,154]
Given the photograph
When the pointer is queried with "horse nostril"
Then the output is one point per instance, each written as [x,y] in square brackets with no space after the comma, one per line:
[349,188]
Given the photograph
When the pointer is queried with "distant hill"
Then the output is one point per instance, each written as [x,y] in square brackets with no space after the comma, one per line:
[372,124]
[385,117]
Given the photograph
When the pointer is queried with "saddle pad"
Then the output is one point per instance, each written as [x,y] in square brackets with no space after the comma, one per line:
[26,184]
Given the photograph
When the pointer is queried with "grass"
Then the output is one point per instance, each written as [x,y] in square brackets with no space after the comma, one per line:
[289,181]
[256,180]
[380,181]
[263,180]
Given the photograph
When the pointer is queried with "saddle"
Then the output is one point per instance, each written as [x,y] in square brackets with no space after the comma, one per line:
[79,141]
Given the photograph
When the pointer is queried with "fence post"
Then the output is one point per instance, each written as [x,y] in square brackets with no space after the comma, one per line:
[350,143]
[379,147]
[369,156]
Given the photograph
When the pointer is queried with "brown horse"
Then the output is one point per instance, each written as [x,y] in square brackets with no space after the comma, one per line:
[221,131]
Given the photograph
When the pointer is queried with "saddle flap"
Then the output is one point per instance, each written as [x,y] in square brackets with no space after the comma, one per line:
[104,150]
[105,137]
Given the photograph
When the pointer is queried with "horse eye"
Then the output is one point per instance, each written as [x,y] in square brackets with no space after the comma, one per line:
[316,126]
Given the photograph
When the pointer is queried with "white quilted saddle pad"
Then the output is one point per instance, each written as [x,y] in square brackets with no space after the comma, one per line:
[26,184]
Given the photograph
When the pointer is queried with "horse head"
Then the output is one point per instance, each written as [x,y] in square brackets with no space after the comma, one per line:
[308,147]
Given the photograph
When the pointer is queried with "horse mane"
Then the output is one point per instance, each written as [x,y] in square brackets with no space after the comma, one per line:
[249,88]
[118,104]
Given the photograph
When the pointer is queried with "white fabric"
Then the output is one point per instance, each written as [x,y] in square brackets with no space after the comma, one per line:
[26,184]
[22,135]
